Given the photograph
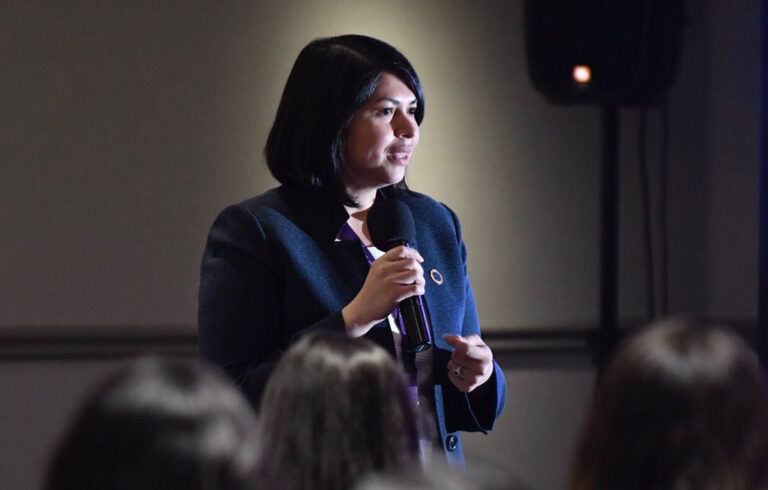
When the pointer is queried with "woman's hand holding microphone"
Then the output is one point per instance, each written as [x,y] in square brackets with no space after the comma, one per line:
[394,276]
[397,275]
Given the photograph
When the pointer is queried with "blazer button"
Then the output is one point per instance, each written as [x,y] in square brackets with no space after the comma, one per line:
[451,442]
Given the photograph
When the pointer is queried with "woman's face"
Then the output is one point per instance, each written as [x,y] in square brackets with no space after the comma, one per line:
[381,138]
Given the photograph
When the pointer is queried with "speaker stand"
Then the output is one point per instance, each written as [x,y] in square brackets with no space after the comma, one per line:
[609,202]
[763,240]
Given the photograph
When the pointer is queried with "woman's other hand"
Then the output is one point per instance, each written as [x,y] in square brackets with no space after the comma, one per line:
[394,276]
[471,362]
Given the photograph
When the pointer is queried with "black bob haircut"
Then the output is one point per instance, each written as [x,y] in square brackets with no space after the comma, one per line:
[331,78]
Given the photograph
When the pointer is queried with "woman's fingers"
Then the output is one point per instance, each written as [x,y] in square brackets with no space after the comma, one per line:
[407,276]
[401,268]
[393,277]
[469,350]
[406,291]
[471,362]
[464,378]
[403,252]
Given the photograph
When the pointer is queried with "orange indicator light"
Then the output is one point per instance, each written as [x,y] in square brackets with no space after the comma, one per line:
[582,74]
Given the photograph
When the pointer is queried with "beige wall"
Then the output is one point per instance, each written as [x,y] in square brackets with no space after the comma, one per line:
[132,125]
[128,125]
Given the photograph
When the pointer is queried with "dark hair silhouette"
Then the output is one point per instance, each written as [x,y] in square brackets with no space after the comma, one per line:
[440,476]
[331,78]
[335,408]
[682,406]
[159,425]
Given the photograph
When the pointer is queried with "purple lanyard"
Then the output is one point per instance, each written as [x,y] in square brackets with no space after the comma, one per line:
[347,233]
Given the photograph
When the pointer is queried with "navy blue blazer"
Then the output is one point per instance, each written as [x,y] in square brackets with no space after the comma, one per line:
[272,269]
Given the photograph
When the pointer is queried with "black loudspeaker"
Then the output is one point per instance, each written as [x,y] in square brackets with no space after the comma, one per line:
[621,52]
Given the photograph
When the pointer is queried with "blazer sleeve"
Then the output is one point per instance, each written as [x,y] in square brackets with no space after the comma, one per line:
[242,288]
[475,411]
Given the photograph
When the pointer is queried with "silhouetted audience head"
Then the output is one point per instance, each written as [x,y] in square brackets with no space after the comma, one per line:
[159,425]
[681,407]
[440,476]
[334,409]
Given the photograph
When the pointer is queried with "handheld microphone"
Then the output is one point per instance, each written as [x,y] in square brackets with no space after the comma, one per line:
[390,224]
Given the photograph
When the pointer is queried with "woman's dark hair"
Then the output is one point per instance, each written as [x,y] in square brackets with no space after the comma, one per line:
[334,409]
[331,78]
[682,406]
[159,425]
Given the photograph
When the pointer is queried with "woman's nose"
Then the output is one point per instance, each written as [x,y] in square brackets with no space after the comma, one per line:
[405,125]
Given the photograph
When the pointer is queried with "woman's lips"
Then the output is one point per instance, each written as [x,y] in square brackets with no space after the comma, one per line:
[401,156]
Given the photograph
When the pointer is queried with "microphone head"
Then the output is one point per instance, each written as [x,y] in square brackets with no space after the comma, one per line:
[390,223]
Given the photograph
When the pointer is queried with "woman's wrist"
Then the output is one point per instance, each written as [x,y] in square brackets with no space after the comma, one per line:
[356,327]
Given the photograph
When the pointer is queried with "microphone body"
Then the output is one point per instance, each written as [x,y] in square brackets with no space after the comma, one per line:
[416,322]
[390,224]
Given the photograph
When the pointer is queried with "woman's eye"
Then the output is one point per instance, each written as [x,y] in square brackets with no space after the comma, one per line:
[386,111]
[412,110]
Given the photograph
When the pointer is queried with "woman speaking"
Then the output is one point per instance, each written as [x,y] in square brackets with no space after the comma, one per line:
[299,257]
